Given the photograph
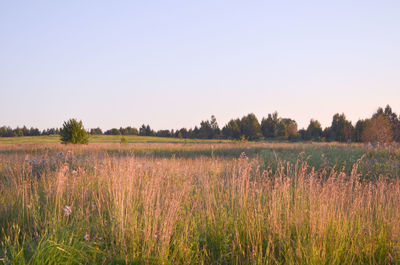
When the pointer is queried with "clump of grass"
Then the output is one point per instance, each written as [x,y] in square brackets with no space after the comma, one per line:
[124,140]
[94,207]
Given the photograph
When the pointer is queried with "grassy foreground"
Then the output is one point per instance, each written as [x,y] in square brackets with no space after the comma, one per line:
[199,204]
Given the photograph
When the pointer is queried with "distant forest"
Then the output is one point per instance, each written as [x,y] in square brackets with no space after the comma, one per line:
[383,126]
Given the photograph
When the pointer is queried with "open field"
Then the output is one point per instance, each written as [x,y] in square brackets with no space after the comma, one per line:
[190,203]
[103,139]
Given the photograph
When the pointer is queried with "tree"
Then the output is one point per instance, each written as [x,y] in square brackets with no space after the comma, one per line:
[18,132]
[250,128]
[6,132]
[34,131]
[394,122]
[209,129]
[113,131]
[131,131]
[358,130]
[380,115]
[314,131]
[146,131]
[183,132]
[287,129]
[396,130]
[25,131]
[121,131]
[205,131]
[232,130]
[291,129]
[74,132]
[341,129]
[51,131]
[142,130]
[269,126]
[302,134]
[163,133]
[377,130]
[96,131]
[195,133]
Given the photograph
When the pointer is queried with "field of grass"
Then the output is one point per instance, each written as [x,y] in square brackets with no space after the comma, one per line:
[189,203]
[103,139]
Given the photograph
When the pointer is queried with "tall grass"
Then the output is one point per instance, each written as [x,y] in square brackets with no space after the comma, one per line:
[97,208]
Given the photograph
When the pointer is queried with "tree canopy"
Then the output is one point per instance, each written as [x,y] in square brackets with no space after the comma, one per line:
[74,132]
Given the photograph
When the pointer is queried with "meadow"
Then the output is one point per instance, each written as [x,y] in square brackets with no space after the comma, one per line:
[167,201]
[104,139]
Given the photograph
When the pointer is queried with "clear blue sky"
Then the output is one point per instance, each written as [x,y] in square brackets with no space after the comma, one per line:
[171,64]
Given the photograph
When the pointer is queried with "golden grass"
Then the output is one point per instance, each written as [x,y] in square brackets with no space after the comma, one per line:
[196,210]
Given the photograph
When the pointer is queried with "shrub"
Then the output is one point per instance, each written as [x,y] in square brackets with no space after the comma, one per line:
[74,132]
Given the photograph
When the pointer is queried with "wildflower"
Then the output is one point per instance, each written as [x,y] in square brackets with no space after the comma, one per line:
[243,156]
[74,172]
[86,237]
[67,210]
[33,162]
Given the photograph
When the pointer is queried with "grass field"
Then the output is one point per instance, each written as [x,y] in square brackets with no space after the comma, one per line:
[102,139]
[154,202]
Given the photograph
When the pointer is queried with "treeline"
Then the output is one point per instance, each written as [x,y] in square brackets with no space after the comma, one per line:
[24,131]
[382,126]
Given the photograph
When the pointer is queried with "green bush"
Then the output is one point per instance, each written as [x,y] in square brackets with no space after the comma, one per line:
[74,132]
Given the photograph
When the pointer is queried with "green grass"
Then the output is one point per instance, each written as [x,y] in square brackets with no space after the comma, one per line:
[30,140]
[188,203]
[103,139]
[147,139]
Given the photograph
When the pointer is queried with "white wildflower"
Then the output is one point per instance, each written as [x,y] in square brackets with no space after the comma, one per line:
[243,156]
[67,210]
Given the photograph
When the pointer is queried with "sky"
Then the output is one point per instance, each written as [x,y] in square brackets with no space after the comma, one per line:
[171,64]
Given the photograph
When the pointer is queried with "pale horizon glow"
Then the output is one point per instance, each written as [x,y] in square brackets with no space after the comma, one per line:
[172,64]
